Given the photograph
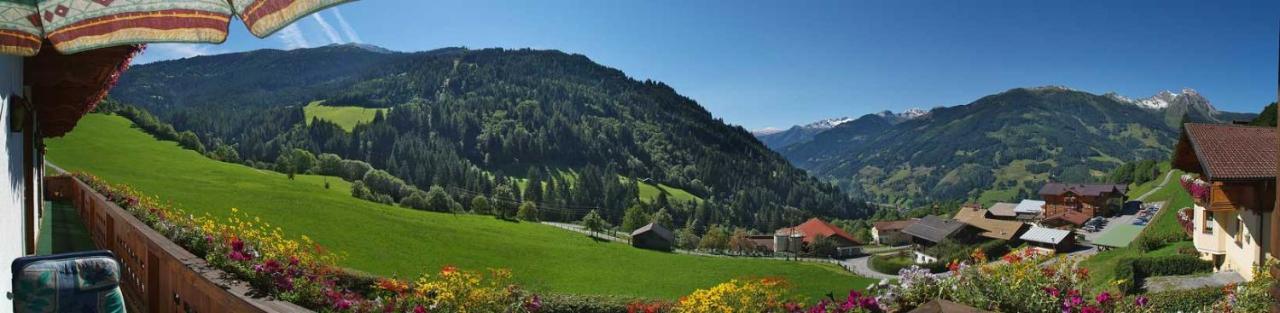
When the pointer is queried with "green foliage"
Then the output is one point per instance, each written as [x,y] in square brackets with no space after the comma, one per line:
[480,205]
[593,223]
[528,212]
[189,140]
[439,201]
[687,239]
[1267,117]
[891,264]
[663,219]
[635,217]
[381,182]
[562,303]
[822,247]
[225,153]
[716,239]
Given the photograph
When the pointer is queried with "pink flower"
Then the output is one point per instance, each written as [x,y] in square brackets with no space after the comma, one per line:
[1089,309]
[534,304]
[1103,298]
[419,309]
[342,304]
[1053,292]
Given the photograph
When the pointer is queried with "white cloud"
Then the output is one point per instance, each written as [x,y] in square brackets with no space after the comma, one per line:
[346,28]
[328,29]
[293,38]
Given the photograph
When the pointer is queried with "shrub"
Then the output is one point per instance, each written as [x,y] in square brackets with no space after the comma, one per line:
[1131,272]
[890,264]
[560,303]
[759,295]
[528,212]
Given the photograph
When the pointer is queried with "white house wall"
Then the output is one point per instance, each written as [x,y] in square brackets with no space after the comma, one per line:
[12,213]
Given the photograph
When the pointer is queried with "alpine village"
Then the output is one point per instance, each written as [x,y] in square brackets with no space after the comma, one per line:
[259,156]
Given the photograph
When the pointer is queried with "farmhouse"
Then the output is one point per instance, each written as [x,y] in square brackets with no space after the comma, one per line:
[1029,210]
[1003,211]
[653,237]
[1049,239]
[890,232]
[932,230]
[1232,181]
[796,239]
[57,63]
[1077,203]
[990,228]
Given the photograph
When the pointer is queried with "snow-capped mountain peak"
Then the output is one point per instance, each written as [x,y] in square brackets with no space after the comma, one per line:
[828,123]
[767,131]
[1163,99]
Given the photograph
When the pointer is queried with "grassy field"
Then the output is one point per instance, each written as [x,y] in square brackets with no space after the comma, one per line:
[346,117]
[389,240]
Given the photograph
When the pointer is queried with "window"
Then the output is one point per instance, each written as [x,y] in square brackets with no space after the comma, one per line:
[1208,223]
[1239,230]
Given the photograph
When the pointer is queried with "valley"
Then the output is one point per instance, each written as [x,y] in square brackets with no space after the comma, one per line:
[395,241]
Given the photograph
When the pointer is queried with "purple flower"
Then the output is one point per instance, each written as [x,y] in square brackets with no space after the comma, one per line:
[1053,292]
[534,304]
[419,309]
[1076,300]
[1089,309]
[1141,301]
[342,304]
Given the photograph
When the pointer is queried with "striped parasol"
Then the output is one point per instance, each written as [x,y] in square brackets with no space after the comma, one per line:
[73,26]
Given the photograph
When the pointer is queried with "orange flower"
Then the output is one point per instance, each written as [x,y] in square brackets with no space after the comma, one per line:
[448,269]
[393,285]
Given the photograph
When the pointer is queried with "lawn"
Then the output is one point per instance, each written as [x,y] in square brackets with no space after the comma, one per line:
[346,117]
[389,240]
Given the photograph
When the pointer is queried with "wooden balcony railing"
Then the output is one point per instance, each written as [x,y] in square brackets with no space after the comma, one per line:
[157,274]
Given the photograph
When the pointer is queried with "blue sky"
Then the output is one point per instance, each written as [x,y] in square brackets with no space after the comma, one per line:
[781,63]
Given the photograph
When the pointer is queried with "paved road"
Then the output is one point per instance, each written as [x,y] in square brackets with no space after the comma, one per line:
[1166,283]
[1144,196]
[579,229]
[861,267]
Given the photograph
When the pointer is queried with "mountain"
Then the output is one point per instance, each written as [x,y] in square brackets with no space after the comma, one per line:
[468,119]
[1188,103]
[777,139]
[997,147]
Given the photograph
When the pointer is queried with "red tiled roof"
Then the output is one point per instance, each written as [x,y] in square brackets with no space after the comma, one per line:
[1234,152]
[892,225]
[1074,217]
[814,227]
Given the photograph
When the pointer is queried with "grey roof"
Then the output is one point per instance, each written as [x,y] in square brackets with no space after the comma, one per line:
[655,228]
[933,228]
[1045,235]
[1029,206]
[1092,190]
[1003,209]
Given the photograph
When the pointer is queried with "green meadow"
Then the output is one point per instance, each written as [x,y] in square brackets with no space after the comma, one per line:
[390,240]
[346,117]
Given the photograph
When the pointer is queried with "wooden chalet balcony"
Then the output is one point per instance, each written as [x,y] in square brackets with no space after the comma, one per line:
[157,275]
[1227,197]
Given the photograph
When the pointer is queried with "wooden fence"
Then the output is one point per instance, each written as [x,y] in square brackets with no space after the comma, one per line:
[157,275]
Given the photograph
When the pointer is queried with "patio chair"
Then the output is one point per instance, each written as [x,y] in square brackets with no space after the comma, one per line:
[69,282]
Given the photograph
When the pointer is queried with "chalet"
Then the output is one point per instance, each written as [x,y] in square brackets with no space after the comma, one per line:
[1029,210]
[653,237]
[798,238]
[58,62]
[932,230]
[989,227]
[1003,211]
[1232,181]
[1077,203]
[1049,239]
[890,232]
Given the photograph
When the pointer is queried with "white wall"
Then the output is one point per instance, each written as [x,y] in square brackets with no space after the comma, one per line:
[12,215]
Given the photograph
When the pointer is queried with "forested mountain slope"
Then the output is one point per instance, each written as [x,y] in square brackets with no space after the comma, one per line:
[1000,147]
[465,119]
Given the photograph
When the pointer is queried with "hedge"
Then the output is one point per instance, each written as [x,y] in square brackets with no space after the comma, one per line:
[563,303]
[890,264]
[1133,271]
[1190,300]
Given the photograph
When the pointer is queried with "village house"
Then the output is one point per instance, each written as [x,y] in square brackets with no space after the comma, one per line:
[1048,239]
[1232,180]
[889,233]
[990,228]
[653,237]
[1003,211]
[932,230]
[798,238]
[1029,210]
[1074,204]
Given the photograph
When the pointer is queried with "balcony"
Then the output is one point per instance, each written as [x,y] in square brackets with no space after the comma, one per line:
[156,275]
